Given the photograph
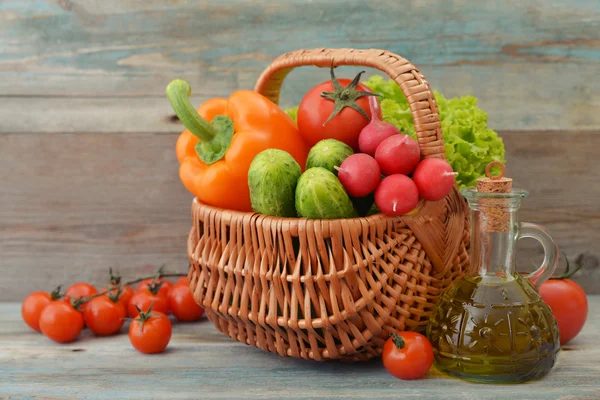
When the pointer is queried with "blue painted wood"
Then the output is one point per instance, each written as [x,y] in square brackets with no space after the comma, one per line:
[203,363]
[73,202]
[532,64]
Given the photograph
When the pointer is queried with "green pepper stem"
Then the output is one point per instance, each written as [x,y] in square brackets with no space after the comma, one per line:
[398,342]
[178,92]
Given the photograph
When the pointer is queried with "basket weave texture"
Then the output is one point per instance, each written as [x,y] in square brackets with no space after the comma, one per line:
[330,289]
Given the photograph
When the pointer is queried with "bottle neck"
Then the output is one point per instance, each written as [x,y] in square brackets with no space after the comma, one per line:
[493,250]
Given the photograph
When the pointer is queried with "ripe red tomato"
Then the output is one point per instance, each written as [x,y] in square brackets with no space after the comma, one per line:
[32,308]
[80,289]
[183,279]
[104,316]
[569,306]
[182,304]
[164,289]
[60,322]
[346,126]
[144,299]
[150,333]
[407,355]
[125,296]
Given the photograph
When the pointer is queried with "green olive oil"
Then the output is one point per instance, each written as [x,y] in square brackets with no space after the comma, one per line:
[493,329]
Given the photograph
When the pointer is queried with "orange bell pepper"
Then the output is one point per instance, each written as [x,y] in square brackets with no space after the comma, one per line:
[223,137]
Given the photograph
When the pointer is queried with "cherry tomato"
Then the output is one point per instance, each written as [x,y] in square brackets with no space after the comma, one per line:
[144,299]
[182,304]
[407,355]
[80,289]
[150,332]
[126,293]
[346,126]
[569,306]
[32,308]
[104,316]
[164,289]
[61,322]
[183,279]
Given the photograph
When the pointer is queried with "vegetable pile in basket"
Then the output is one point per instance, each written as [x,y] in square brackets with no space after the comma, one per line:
[470,144]
[351,151]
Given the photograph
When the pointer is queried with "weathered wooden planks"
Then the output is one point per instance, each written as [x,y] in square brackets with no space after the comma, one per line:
[203,363]
[74,204]
[532,64]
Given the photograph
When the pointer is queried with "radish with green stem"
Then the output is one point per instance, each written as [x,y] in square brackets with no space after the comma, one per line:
[434,178]
[376,131]
[398,154]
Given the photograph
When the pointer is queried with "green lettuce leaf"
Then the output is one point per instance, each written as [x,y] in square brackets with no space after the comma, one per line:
[470,144]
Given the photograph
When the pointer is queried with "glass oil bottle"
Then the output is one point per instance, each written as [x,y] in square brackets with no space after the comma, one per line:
[492,326]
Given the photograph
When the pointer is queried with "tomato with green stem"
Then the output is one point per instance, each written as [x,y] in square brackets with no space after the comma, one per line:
[335,109]
[407,355]
[34,304]
[80,290]
[165,285]
[127,293]
[150,332]
[61,322]
[105,315]
[568,303]
[147,298]
[183,279]
[115,285]
[182,304]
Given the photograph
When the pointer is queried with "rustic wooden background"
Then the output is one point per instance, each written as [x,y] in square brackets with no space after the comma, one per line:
[88,175]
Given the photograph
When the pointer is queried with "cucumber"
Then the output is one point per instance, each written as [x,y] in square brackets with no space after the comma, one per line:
[272,180]
[328,154]
[320,195]
[373,210]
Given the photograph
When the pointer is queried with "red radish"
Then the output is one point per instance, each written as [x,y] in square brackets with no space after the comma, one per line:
[398,154]
[434,178]
[376,131]
[396,195]
[360,174]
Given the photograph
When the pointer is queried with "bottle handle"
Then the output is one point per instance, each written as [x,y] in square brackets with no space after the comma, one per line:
[545,271]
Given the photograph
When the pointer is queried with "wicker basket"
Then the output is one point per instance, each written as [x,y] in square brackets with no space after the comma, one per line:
[330,289]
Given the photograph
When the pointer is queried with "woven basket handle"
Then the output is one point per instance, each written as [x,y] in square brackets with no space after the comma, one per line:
[413,84]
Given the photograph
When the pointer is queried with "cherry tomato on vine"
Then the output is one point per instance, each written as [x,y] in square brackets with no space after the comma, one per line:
[150,332]
[335,109]
[32,307]
[104,316]
[182,304]
[183,279]
[80,289]
[407,355]
[61,322]
[144,299]
[127,293]
[164,288]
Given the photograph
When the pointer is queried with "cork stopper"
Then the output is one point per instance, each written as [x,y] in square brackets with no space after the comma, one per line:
[498,219]
[494,183]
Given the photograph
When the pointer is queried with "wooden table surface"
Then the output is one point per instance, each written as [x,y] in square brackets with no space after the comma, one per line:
[201,362]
